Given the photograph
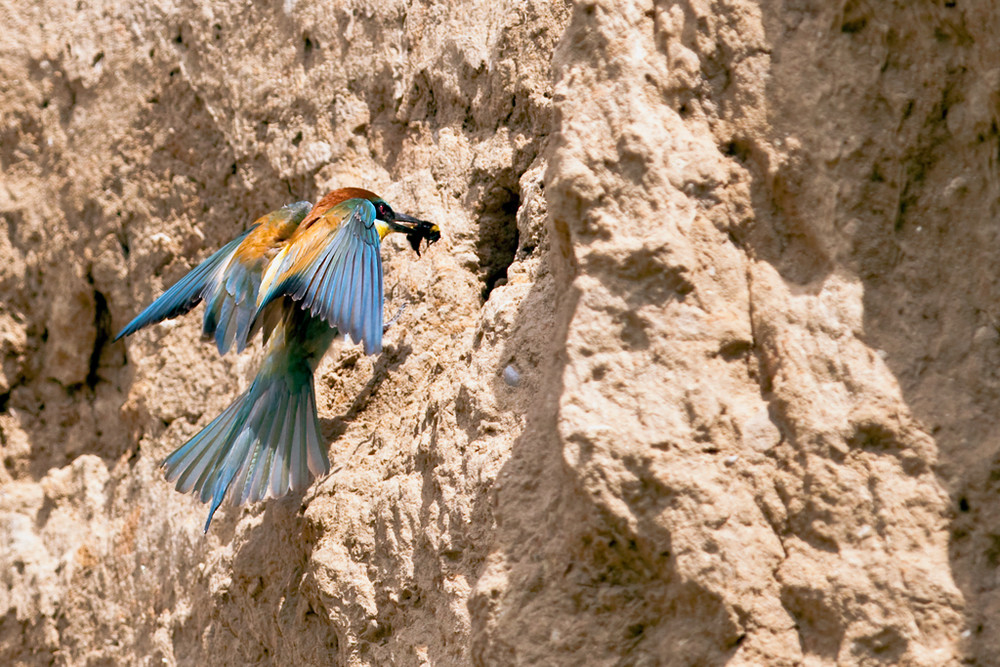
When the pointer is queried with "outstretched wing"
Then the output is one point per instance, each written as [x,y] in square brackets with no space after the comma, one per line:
[334,270]
[187,292]
[232,301]
[228,281]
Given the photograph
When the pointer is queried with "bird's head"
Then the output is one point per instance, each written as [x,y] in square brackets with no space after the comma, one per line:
[388,220]
[416,230]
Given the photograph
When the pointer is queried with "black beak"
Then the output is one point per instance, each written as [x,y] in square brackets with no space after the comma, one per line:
[416,230]
[402,217]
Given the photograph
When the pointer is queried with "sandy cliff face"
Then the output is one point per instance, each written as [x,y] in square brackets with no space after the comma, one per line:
[739,256]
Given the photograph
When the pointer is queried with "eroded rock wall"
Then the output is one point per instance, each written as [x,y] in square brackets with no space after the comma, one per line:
[734,257]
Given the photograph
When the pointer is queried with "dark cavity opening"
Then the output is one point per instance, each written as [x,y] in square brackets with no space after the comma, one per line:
[498,237]
[102,322]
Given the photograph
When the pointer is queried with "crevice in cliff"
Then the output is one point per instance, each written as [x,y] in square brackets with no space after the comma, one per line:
[498,237]
[764,378]
[102,326]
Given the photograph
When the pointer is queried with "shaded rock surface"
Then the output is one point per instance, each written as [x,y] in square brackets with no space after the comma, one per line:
[703,370]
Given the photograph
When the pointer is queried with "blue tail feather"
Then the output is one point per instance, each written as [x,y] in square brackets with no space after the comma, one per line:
[223,476]
[191,464]
[256,447]
[315,456]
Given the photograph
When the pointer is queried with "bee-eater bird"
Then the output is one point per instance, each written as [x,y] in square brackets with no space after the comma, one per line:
[302,275]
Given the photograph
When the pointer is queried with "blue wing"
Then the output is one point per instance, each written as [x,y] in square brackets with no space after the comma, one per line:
[231,305]
[228,281]
[187,292]
[333,269]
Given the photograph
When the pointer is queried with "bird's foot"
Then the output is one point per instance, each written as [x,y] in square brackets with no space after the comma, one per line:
[392,320]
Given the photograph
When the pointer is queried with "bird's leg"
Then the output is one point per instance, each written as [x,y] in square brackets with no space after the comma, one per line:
[392,320]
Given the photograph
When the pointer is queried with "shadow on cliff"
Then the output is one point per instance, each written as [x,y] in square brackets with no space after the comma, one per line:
[391,359]
[930,307]
[914,219]
[270,589]
[579,582]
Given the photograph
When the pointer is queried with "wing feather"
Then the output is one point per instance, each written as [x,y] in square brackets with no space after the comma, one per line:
[334,270]
[187,292]
[228,281]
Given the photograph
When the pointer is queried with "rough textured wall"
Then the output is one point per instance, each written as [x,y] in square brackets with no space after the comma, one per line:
[739,252]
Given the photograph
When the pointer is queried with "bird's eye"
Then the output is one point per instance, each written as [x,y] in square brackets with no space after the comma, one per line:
[383,212]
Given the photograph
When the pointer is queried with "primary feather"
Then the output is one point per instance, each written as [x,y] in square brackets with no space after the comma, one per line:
[228,281]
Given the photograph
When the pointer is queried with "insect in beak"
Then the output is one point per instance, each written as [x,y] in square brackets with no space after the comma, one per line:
[416,230]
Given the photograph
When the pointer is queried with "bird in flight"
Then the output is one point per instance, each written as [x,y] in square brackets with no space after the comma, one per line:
[302,275]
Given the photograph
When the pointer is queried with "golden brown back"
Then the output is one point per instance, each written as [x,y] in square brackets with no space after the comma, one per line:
[333,198]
